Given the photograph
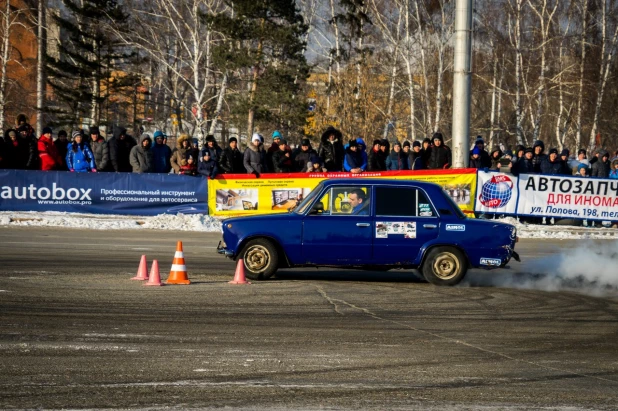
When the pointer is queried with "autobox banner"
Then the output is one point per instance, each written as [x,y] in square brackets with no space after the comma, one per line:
[101,193]
[243,194]
[497,193]
[568,197]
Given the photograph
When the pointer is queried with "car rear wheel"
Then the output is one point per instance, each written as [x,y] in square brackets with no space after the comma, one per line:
[444,266]
[260,258]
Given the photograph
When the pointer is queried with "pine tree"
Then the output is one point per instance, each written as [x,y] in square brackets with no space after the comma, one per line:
[87,57]
[265,47]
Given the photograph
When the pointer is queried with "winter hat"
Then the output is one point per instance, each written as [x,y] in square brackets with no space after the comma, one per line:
[565,152]
[614,163]
[529,150]
[476,151]
[553,151]
[47,130]
[376,141]
[305,142]
[158,134]
[189,155]
[76,133]
[479,140]
[282,142]
[416,143]
[426,140]
[316,159]
[352,143]
[93,130]
[581,151]
[406,144]
[233,139]
[539,143]
[603,153]
[580,166]
[204,153]
[384,142]
[397,143]
[276,135]
[12,133]
[256,137]
[438,136]
[519,148]
[62,133]
[210,138]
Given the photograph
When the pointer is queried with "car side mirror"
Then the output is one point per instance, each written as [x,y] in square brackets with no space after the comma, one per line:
[317,208]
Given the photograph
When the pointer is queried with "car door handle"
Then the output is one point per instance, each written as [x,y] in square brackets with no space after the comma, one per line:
[430,226]
[362,224]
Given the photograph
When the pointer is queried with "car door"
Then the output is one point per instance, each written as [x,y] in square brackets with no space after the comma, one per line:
[405,220]
[341,233]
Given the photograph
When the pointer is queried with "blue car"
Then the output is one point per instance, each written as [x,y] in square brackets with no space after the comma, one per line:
[371,224]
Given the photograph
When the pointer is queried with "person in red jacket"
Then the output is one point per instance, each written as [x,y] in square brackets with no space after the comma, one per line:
[48,153]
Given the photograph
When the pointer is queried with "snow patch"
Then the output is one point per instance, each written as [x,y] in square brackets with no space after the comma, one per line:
[178,222]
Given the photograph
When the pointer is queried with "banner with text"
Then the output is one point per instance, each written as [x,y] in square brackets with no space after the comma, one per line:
[497,193]
[243,194]
[101,193]
[568,197]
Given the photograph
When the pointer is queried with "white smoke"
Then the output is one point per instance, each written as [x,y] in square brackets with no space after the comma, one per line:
[591,268]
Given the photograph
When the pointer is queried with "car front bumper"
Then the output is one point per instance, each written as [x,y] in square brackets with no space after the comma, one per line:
[221,249]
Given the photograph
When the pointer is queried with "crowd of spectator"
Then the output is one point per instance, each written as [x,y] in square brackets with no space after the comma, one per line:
[91,152]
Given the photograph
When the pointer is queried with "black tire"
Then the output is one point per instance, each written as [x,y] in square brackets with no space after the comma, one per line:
[444,266]
[260,258]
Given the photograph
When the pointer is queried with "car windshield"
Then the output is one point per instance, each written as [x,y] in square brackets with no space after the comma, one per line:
[302,207]
[454,205]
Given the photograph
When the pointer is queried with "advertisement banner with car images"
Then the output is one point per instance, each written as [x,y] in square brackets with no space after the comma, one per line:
[101,193]
[243,194]
[497,193]
[568,197]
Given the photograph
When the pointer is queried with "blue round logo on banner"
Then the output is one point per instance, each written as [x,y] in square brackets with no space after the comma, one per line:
[496,192]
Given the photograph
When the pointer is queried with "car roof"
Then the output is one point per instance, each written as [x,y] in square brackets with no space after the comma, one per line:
[380,181]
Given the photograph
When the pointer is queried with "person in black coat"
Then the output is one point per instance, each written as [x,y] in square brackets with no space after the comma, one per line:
[301,156]
[373,160]
[15,151]
[524,165]
[601,167]
[484,159]
[331,149]
[120,146]
[26,133]
[539,155]
[552,164]
[232,158]
[475,159]
[440,157]
[62,143]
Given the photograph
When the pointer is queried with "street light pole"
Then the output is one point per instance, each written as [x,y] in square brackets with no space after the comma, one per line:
[461,83]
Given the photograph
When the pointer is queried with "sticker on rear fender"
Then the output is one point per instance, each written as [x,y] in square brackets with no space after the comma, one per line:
[455,227]
[491,261]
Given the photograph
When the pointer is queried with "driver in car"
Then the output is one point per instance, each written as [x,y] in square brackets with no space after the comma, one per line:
[358,202]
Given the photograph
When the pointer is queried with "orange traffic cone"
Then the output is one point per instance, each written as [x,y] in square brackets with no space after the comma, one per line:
[142,273]
[239,275]
[178,273]
[154,278]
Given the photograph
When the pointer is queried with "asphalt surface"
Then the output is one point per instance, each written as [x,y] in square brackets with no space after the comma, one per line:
[76,332]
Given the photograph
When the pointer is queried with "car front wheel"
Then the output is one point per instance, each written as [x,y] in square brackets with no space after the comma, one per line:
[444,266]
[260,258]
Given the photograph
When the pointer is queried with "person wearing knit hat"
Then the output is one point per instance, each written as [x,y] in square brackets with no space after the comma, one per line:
[302,155]
[79,156]
[61,146]
[161,153]
[552,164]
[354,162]
[100,149]
[77,133]
[582,170]
[397,159]
[475,160]
[282,159]
[254,157]
[614,165]
[600,167]
[231,159]
[440,157]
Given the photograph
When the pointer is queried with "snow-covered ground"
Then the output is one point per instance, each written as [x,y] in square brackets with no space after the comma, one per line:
[204,223]
[178,222]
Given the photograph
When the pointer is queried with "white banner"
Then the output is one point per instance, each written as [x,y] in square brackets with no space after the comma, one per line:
[496,193]
[568,197]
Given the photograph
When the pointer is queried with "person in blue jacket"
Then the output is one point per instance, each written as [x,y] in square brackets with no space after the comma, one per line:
[161,153]
[79,157]
[397,159]
[355,160]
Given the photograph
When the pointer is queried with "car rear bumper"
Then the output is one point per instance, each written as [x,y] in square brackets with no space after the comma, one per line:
[221,249]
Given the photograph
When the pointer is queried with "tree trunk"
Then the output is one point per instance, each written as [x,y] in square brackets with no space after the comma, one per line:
[578,135]
[220,99]
[391,94]
[40,66]
[253,90]
[5,59]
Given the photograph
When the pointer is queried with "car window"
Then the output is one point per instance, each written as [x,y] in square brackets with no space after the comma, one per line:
[403,202]
[348,200]
[302,207]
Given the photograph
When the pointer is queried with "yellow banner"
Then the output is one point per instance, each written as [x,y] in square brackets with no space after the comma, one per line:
[243,194]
